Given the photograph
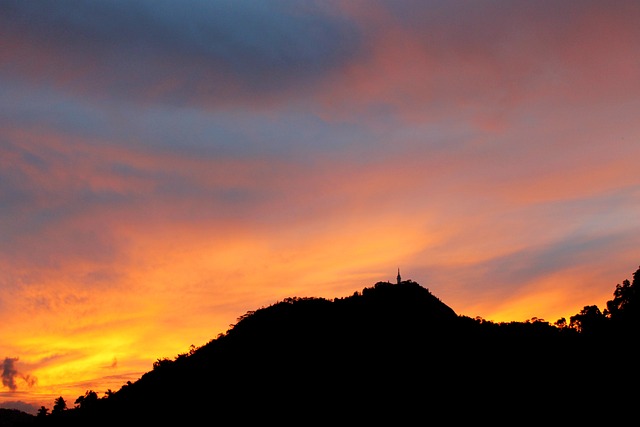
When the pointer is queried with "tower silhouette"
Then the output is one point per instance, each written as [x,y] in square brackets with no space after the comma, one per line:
[399,279]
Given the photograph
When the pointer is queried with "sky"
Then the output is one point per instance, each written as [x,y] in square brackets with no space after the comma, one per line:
[168,166]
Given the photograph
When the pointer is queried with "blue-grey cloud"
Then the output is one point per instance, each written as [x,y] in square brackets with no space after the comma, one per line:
[200,47]
[536,262]
[10,375]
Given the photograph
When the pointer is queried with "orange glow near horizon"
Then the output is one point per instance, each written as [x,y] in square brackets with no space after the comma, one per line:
[173,297]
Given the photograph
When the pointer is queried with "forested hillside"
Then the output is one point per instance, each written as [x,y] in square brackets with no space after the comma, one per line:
[390,351]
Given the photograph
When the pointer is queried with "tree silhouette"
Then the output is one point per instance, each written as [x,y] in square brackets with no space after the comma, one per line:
[590,320]
[88,400]
[561,323]
[59,405]
[624,308]
[43,411]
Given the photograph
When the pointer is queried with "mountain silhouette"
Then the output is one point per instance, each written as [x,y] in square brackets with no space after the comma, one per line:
[390,353]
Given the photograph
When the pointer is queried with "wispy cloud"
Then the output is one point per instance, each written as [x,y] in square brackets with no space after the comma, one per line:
[10,375]
[203,52]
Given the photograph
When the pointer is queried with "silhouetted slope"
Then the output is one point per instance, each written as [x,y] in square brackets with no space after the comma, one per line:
[309,355]
[15,418]
[393,351]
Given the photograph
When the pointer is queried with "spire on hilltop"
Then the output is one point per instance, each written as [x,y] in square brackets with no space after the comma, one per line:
[399,279]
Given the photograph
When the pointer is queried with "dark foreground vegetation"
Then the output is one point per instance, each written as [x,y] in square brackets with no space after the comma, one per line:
[392,352]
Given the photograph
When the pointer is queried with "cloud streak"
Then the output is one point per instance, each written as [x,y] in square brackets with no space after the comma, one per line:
[207,52]
[10,375]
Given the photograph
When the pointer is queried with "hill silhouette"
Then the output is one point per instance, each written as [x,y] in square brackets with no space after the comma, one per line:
[392,352]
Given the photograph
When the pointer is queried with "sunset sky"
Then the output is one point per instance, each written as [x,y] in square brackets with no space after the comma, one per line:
[167,166]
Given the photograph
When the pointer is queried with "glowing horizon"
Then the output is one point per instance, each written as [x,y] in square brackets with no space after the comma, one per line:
[162,175]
